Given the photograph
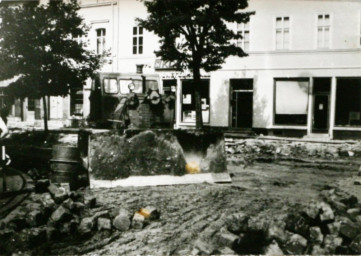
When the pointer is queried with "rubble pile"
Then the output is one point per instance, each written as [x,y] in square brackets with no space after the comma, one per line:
[240,151]
[332,226]
[115,156]
[53,214]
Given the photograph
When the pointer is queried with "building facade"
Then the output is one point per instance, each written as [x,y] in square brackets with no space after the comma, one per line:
[302,75]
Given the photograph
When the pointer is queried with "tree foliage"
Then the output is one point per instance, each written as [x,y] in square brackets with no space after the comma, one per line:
[37,43]
[195,34]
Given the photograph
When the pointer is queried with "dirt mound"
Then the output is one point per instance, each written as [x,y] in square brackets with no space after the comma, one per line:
[114,156]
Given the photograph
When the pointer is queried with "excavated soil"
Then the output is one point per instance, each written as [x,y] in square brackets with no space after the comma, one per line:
[188,212]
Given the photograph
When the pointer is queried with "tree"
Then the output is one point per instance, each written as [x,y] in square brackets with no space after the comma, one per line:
[37,44]
[194,35]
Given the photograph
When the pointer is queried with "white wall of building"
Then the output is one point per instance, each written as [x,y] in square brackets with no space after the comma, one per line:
[264,63]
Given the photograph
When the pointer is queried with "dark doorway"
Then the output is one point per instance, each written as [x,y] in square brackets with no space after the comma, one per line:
[241,103]
[321,91]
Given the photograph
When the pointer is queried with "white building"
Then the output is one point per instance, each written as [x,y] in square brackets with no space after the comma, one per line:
[302,75]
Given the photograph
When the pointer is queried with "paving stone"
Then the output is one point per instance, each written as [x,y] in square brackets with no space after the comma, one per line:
[104,224]
[35,218]
[312,210]
[205,248]
[298,224]
[225,251]
[150,212]
[138,221]
[37,236]
[41,186]
[58,194]
[275,232]
[273,249]
[296,244]
[318,250]
[225,238]
[52,233]
[316,235]
[349,200]
[99,214]
[237,222]
[68,203]
[331,242]
[356,245]
[353,212]
[122,222]
[77,207]
[334,227]
[326,213]
[348,228]
[90,202]
[76,196]
[86,226]
[61,214]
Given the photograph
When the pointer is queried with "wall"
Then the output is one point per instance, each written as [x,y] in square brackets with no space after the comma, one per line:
[263,64]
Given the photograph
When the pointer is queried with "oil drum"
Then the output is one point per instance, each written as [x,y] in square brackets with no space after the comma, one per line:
[66,165]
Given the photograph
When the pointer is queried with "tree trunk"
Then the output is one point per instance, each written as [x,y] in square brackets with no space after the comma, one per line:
[45,115]
[197,96]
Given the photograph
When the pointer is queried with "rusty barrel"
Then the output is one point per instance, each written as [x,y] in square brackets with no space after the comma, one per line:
[66,165]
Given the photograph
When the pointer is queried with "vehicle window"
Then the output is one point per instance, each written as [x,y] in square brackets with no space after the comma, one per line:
[152,84]
[111,86]
[124,86]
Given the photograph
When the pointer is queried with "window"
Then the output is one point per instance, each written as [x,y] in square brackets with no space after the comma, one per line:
[111,86]
[360,30]
[31,104]
[188,101]
[137,40]
[124,86]
[101,40]
[76,102]
[348,102]
[78,39]
[243,30]
[323,31]
[291,101]
[282,33]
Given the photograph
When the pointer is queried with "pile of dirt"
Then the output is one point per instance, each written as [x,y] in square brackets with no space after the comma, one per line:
[116,156]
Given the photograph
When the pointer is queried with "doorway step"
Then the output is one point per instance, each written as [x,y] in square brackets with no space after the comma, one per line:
[318,136]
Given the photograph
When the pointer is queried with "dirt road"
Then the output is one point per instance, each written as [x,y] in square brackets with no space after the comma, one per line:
[189,212]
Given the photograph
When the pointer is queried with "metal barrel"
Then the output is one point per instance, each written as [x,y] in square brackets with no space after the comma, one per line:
[66,165]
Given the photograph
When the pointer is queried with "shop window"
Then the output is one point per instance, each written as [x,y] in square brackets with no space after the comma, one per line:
[188,101]
[76,102]
[111,86]
[101,33]
[291,101]
[348,102]
[323,31]
[282,33]
[169,86]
